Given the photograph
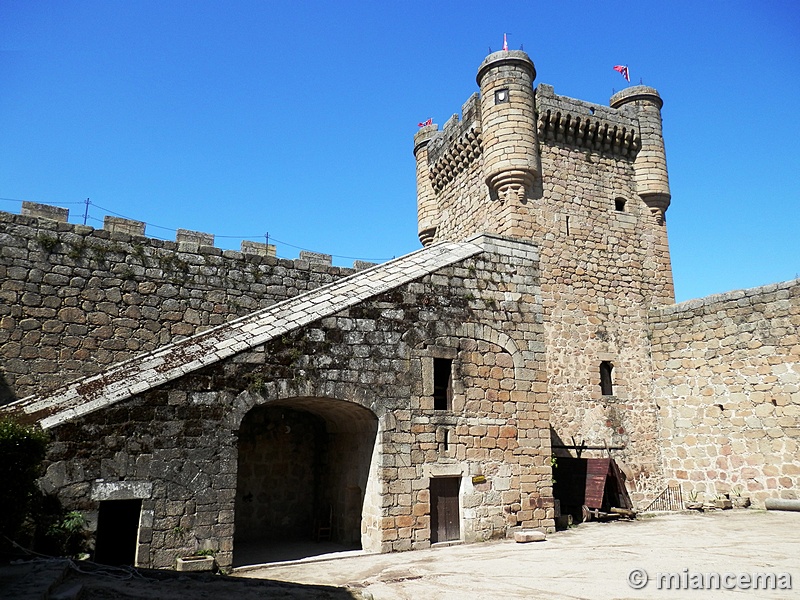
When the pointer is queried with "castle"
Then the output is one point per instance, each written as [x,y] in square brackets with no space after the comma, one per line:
[200,399]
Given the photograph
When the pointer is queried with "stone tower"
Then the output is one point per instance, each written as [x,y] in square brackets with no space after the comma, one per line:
[426,197]
[587,185]
[511,160]
[652,182]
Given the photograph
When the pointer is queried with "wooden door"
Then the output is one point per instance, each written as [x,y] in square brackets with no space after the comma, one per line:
[444,509]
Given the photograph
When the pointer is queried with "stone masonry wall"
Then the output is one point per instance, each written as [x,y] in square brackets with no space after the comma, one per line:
[374,358]
[728,390]
[74,299]
[278,445]
[604,261]
[596,290]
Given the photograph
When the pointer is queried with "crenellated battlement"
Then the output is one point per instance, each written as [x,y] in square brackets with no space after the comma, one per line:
[518,153]
[459,144]
[186,240]
[442,142]
[564,120]
[74,299]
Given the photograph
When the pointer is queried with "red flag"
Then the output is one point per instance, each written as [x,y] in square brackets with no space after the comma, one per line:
[623,70]
[505,43]
[424,123]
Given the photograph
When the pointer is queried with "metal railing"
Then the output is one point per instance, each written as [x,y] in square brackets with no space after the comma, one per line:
[668,500]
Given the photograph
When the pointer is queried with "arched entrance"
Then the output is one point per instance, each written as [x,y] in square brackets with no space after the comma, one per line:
[303,470]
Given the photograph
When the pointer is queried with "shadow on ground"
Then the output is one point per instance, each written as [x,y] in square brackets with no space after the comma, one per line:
[59,578]
[259,552]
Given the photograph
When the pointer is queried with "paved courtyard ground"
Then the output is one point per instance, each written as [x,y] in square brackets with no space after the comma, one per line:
[620,560]
[591,561]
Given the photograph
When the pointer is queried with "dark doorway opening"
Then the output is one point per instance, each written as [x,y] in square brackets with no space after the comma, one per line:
[589,483]
[117,532]
[445,525]
[303,470]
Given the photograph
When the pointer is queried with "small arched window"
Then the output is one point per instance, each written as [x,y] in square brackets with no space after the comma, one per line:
[606,386]
[619,204]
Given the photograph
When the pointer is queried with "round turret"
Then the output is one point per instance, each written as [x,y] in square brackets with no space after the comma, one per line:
[426,197]
[511,159]
[650,167]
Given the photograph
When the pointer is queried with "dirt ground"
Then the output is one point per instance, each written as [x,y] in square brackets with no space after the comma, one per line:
[621,560]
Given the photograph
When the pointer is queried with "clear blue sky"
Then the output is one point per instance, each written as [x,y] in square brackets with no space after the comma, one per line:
[240,118]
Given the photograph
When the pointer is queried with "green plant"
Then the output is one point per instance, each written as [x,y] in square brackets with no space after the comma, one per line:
[22,448]
[206,552]
[73,521]
[59,532]
[99,254]
[47,242]
[138,252]
[179,531]
[67,535]
[76,250]
[257,384]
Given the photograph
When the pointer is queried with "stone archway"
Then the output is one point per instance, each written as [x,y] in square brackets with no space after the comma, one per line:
[304,469]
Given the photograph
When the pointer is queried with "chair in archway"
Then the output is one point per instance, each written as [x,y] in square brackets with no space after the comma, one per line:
[324,523]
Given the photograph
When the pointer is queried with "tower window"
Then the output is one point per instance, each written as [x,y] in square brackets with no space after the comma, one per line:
[619,204]
[501,96]
[606,387]
[442,384]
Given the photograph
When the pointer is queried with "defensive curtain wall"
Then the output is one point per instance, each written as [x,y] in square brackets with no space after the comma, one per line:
[74,299]
[728,390]
[331,400]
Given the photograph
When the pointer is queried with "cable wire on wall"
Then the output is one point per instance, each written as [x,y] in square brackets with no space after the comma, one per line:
[259,237]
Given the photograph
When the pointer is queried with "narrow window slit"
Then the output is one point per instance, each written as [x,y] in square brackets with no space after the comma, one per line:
[442,384]
[606,387]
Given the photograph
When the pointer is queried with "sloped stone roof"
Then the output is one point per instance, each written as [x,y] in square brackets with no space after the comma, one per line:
[150,370]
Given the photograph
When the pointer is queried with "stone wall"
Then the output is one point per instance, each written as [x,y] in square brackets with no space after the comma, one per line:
[728,389]
[596,286]
[367,373]
[74,299]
